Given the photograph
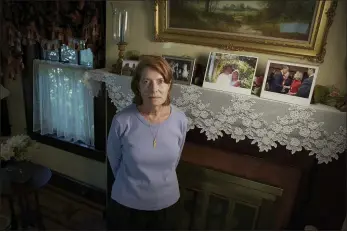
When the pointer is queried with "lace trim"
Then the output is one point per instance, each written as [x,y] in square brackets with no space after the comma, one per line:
[295,130]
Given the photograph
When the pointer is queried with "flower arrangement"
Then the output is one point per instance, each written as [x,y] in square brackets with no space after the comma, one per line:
[16,148]
[331,96]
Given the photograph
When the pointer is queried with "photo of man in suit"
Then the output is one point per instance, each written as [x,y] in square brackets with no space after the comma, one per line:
[305,88]
[276,84]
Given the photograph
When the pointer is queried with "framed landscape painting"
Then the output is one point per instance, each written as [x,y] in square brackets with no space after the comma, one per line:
[286,27]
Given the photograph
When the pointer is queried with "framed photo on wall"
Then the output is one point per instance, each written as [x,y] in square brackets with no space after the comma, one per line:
[230,72]
[289,82]
[182,69]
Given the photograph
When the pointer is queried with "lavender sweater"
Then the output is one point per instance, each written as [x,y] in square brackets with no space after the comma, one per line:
[145,177]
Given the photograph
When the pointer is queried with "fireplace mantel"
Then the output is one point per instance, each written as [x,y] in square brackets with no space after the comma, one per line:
[319,129]
[310,191]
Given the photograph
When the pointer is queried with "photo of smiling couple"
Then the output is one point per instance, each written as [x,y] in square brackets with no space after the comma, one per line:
[229,76]
[230,72]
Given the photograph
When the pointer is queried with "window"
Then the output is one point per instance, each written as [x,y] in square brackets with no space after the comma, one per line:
[62,106]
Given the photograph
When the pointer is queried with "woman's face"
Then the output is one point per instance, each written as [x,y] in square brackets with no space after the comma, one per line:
[228,70]
[153,89]
[298,76]
[235,76]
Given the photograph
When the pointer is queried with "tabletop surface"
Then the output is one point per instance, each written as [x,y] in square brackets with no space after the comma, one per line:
[18,172]
[23,173]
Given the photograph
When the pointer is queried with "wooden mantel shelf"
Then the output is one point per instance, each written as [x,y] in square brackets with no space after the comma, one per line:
[313,194]
[257,169]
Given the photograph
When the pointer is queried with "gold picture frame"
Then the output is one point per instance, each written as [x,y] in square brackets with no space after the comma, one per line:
[312,50]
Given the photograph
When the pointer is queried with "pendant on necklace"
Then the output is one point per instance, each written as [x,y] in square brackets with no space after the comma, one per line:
[154,143]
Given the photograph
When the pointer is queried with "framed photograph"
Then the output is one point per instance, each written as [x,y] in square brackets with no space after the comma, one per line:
[182,69]
[230,72]
[128,67]
[289,82]
[290,28]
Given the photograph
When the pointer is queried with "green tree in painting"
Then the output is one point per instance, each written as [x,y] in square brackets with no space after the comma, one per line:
[288,10]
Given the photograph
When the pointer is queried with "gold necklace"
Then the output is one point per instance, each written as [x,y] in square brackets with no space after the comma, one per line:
[154,136]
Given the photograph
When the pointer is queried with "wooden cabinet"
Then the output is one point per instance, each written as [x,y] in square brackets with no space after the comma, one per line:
[212,200]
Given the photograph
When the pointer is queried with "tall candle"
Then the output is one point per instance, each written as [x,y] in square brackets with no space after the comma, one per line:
[122,27]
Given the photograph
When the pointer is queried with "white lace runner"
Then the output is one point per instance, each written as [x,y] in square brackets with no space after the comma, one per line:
[319,129]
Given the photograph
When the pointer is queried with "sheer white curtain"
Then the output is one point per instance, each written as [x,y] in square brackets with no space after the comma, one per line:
[62,104]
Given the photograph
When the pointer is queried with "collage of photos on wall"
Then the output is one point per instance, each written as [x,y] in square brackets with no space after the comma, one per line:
[282,81]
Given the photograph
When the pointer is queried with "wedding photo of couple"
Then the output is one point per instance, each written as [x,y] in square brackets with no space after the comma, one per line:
[182,68]
[230,72]
[229,77]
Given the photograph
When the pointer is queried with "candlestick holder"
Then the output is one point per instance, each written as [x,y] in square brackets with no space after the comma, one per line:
[120,30]
[117,67]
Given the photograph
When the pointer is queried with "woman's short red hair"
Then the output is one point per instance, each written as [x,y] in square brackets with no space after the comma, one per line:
[158,64]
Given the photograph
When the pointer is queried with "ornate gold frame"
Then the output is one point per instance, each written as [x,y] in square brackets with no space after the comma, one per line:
[312,50]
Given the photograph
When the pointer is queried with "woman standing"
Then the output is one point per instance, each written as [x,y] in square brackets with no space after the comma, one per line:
[235,82]
[144,147]
[185,72]
[294,87]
